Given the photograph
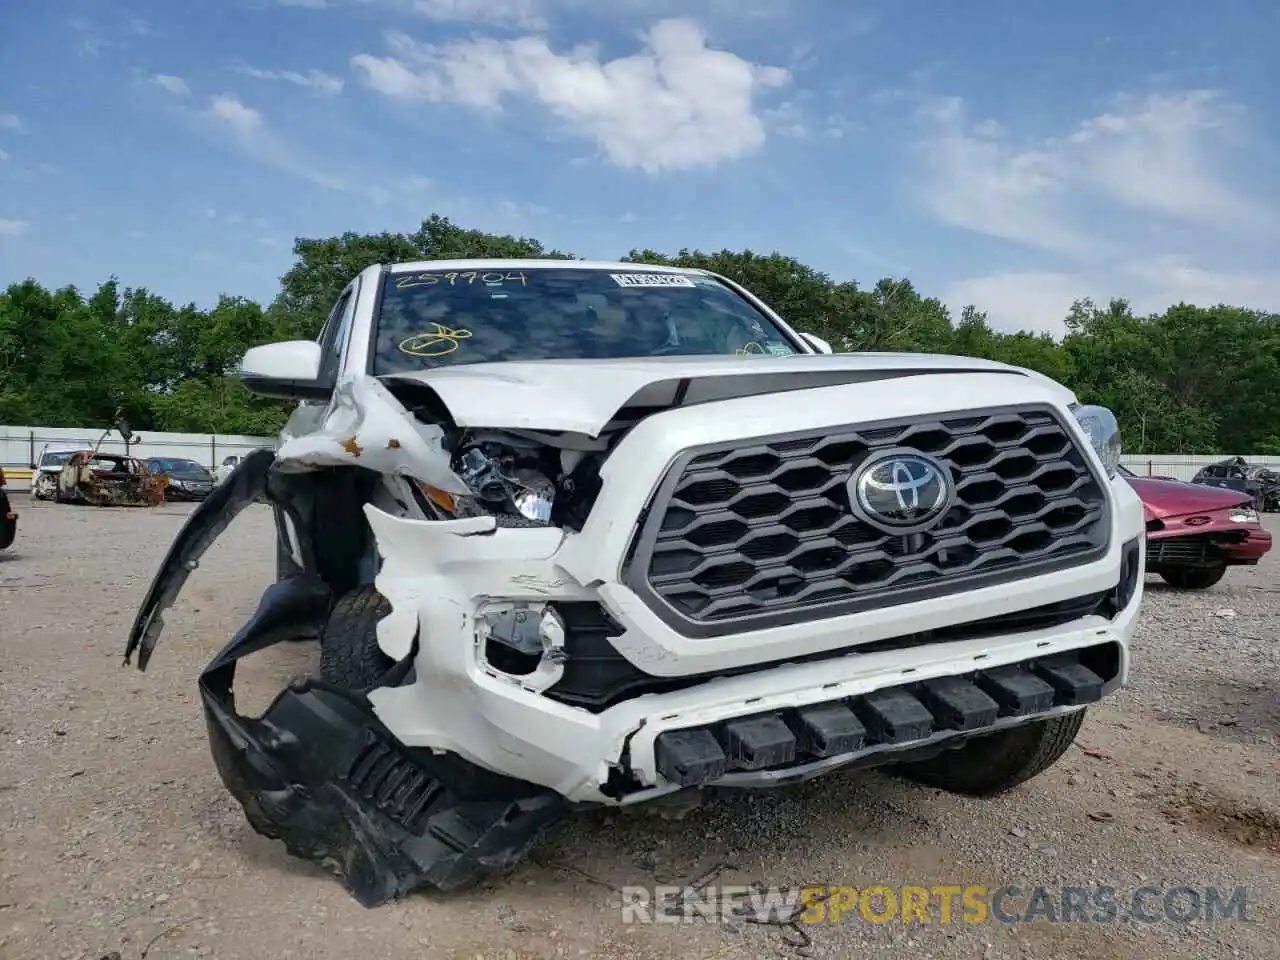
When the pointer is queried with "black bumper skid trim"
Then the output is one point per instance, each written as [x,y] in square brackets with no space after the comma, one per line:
[900,716]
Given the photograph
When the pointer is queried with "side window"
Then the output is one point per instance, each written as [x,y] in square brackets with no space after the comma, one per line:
[333,339]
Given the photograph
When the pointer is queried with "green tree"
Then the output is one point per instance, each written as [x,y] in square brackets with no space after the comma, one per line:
[1192,379]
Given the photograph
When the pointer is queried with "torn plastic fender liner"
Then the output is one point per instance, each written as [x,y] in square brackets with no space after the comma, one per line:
[246,485]
[319,772]
[364,426]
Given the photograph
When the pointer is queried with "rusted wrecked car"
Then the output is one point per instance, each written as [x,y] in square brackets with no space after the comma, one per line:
[109,480]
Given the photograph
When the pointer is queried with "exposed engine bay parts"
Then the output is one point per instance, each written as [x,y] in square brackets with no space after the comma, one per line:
[550,584]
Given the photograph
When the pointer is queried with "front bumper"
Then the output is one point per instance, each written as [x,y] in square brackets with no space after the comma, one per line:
[1234,545]
[441,577]
[187,495]
[1255,546]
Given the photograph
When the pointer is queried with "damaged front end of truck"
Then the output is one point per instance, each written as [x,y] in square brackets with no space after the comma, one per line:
[511,569]
[318,770]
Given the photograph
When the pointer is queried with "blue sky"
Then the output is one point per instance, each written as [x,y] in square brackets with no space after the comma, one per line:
[1014,155]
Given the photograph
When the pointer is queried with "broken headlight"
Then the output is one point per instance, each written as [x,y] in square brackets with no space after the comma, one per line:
[500,484]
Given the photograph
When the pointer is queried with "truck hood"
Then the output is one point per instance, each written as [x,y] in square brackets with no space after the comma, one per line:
[586,396]
[1173,498]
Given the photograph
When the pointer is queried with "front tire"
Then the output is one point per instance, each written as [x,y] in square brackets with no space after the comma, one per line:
[349,653]
[1193,578]
[993,764]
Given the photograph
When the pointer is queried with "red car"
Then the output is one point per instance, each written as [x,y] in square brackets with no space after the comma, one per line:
[1195,532]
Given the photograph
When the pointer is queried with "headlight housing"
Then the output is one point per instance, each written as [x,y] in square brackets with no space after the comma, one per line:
[1100,425]
[1244,515]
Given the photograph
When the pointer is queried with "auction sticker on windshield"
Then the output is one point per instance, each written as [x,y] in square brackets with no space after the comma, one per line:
[651,280]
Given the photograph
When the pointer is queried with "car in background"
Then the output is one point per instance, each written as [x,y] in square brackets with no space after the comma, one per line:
[1260,484]
[8,519]
[188,480]
[1195,531]
[227,467]
[53,456]
[109,480]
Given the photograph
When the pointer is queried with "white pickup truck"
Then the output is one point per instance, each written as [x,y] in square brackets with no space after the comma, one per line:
[576,533]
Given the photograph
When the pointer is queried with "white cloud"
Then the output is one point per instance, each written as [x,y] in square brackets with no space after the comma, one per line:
[525,14]
[1036,301]
[316,81]
[1039,301]
[4,155]
[10,121]
[175,85]
[244,121]
[1172,279]
[13,228]
[1136,202]
[676,104]
[91,42]
[1161,156]
[140,28]
[252,136]
[975,180]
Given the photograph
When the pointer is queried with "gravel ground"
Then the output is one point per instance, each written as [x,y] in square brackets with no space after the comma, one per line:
[119,839]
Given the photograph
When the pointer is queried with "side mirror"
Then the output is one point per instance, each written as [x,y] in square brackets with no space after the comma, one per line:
[817,343]
[289,370]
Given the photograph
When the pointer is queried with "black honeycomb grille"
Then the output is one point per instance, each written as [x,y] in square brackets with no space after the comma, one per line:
[761,531]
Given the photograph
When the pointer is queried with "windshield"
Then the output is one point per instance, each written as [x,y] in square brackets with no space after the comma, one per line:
[434,318]
[176,466]
[56,459]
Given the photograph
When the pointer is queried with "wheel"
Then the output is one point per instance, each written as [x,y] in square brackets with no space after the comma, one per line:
[992,764]
[42,489]
[1193,578]
[349,653]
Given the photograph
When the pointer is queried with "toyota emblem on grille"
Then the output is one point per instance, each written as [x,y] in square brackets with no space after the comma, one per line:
[901,492]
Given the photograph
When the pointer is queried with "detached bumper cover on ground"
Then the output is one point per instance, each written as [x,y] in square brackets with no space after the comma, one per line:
[320,773]
[317,770]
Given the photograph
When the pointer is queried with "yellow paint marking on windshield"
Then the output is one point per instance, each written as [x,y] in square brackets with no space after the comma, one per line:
[438,342]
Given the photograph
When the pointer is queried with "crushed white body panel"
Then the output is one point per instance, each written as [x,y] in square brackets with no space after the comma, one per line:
[439,575]
[365,426]
[582,396]
[436,576]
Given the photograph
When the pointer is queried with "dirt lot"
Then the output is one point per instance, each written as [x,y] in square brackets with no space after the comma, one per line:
[118,836]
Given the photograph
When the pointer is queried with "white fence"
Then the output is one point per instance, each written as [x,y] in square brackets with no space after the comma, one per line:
[1183,466]
[20,447]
